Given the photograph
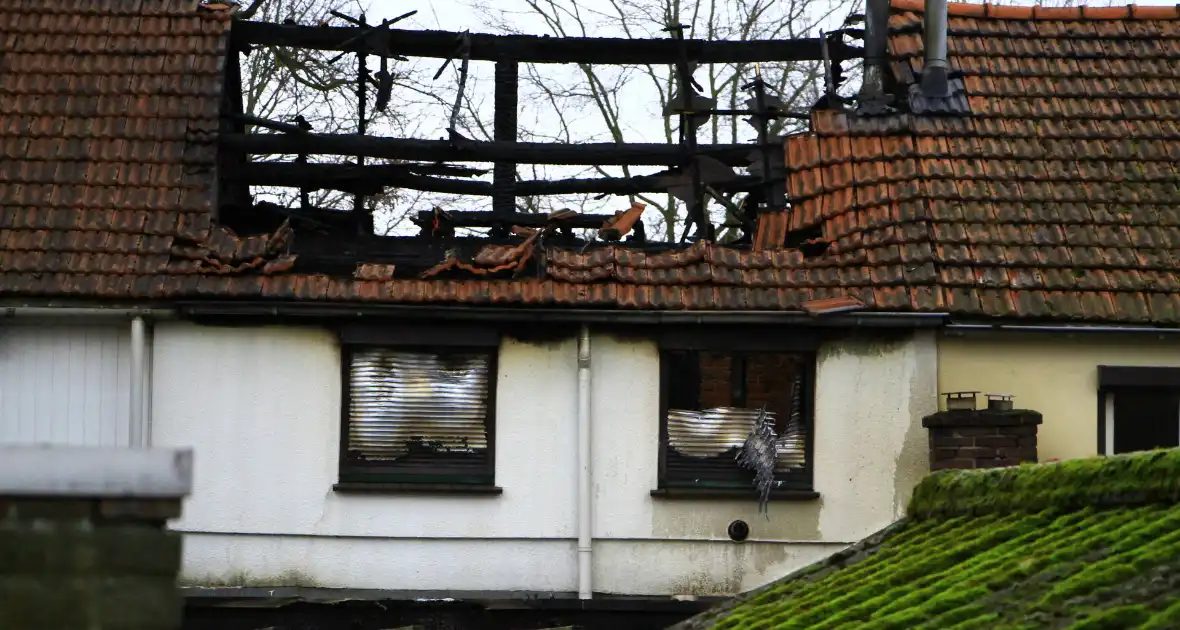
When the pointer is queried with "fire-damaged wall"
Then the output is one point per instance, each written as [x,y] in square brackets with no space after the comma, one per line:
[262,407]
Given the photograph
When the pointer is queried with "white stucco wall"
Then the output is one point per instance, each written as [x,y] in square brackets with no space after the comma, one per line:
[260,406]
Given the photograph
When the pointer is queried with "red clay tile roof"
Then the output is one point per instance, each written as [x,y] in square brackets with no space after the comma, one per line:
[108,126]
[1057,197]
[108,121]
[1054,198]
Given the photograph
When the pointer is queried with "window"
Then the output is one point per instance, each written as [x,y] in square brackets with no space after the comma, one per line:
[418,414]
[1138,408]
[712,403]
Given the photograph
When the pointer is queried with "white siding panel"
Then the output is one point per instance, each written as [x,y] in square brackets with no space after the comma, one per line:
[65,384]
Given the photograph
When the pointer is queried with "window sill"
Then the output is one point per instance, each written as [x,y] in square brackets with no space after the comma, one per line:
[732,493]
[361,487]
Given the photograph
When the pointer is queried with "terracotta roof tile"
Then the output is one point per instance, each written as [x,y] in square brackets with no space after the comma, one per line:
[1060,181]
[101,127]
[1050,195]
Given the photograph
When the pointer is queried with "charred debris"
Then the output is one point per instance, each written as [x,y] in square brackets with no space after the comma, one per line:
[342,240]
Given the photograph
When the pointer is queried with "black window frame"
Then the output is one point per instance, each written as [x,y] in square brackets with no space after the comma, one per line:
[415,337]
[1113,379]
[739,342]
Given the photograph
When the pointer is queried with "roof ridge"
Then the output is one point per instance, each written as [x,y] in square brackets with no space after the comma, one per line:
[1119,480]
[1009,12]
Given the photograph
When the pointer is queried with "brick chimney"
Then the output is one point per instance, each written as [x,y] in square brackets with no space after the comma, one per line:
[966,437]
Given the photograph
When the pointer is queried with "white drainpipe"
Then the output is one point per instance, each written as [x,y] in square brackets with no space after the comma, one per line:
[585,590]
[139,429]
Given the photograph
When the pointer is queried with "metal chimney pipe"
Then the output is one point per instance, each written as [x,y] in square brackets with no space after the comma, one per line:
[876,37]
[934,70]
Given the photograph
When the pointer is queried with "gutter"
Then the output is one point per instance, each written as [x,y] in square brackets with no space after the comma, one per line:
[966,329]
[277,596]
[311,310]
[55,312]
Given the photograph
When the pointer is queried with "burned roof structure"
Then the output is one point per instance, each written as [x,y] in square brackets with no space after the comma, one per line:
[1031,175]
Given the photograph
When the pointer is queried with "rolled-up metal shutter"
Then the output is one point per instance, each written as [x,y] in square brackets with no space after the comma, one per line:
[416,409]
[710,432]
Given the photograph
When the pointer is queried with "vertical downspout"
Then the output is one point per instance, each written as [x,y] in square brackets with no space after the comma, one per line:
[934,67]
[136,404]
[585,589]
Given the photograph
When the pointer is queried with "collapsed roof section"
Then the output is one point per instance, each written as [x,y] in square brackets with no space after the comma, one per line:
[695,174]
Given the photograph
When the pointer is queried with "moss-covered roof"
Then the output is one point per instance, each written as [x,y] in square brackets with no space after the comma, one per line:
[1084,544]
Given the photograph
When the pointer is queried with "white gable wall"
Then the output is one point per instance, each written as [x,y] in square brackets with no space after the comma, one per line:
[261,407]
[65,383]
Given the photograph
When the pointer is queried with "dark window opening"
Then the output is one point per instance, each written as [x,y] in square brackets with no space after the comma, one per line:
[1138,409]
[418,415]
[712,403]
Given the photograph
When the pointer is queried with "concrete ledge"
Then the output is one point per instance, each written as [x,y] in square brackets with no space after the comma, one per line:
[71,471]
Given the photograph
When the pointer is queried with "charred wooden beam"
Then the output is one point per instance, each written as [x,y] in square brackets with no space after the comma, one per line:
[364,220]
[366,180]
[268,124]
[478,151]
[506,101]
[537,49]
[374,178]
[470,218]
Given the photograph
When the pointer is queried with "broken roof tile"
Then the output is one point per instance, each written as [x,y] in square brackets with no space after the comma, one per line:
[833,305]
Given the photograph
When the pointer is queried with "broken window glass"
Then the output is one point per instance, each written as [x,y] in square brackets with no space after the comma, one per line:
[721,405]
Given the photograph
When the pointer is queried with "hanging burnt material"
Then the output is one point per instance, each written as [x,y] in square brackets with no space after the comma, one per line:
[760,454]
[384,85]
[791,445]
[463,52]
[358,44]
[304,126]
[765,163]
[688,100]
[384,78]
[831,98]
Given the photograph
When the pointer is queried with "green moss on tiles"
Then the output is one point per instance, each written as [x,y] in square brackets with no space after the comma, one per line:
[1165,619]
[1114,619]
[1088,545]
[1133,479]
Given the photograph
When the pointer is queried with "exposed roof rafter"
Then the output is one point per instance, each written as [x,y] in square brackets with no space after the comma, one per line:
[534,48]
